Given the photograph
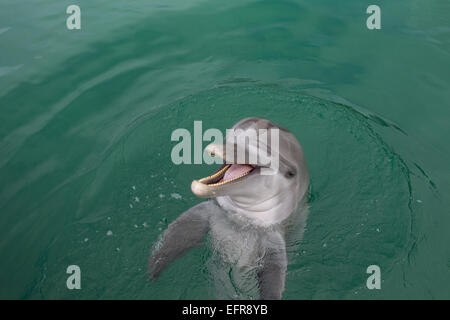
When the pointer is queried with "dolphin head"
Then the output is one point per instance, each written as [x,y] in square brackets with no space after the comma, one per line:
[264,175]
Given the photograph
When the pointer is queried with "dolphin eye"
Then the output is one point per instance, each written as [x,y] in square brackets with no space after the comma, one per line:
[290,174]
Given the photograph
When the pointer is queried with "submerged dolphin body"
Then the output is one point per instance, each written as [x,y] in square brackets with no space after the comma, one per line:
[249,213]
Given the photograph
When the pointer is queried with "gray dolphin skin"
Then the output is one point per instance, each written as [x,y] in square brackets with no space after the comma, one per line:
[249,214]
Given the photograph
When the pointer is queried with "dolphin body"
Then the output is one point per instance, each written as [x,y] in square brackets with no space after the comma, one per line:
[250,213]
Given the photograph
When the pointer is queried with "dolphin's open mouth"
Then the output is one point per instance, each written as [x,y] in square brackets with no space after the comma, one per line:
[228,173]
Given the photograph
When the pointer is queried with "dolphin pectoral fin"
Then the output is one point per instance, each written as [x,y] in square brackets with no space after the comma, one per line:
[271,276]
[185,233]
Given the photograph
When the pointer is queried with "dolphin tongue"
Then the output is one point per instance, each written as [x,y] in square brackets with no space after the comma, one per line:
[236,170]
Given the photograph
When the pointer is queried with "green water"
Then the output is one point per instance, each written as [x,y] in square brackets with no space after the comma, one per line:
[86,117]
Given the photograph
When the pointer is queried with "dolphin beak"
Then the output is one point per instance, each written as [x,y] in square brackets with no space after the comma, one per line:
[202,190]
[216,150]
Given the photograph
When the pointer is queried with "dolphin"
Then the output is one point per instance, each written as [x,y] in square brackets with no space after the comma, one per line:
[252,206]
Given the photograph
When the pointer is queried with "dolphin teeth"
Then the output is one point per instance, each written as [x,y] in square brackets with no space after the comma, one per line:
[215,175]
[219,173]
[231,180]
